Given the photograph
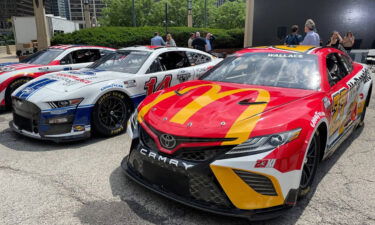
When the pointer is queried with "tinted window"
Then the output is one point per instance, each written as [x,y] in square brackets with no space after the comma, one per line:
[335,68]
[122,61]
[197,58]
[269,69]
[43,57]
[156,67]
[81,56]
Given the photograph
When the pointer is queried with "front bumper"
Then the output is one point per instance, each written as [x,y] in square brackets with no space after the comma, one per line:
[55,138]
[205,194]
[31,121]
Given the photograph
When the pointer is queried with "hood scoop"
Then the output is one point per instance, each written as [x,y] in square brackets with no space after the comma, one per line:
[250,102]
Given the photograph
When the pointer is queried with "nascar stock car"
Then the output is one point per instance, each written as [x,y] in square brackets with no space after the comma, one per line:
[55,58]
[246,139]
[64,106]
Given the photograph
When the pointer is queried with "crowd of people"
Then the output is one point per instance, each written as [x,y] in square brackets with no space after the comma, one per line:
[313,38]
[195,41]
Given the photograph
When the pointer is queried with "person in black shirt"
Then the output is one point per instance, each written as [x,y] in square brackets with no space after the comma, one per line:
[199,42]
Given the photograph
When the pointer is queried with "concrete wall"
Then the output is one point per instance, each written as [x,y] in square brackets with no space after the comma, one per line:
[273,18]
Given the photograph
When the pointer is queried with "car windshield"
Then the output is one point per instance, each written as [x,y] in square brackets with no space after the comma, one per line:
[269,69]
[122,61]
[43,57]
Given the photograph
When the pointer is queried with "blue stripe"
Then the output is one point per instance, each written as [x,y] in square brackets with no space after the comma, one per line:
[29,90]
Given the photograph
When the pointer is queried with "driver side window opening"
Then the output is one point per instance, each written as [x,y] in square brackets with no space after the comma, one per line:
[173,60]
[336,68]
[81,56]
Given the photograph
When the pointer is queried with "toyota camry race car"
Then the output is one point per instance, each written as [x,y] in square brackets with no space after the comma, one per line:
[246,139]
[66,105]
[55,58]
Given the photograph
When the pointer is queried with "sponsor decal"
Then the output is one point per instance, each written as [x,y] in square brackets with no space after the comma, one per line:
[183,77]
[111,86]
[88,73]
[326,102]
[81,80]
[284,55]
[265,163]
[130,83]
[315,119]
[363,77]
[164,159]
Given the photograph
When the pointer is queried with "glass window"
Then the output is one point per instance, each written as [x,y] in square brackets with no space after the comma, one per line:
[81,56]
[268,69]
[43,57]
[122,61]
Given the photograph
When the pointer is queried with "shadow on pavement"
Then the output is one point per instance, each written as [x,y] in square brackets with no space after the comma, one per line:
[139,205]
[17,142]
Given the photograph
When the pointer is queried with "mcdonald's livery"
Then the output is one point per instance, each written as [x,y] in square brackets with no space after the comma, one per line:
[55,58]
[246,138]
[68,105]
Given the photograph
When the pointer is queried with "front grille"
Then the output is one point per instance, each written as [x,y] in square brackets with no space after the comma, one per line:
[201,154]
[202,188]
[146,139]
[259,183]
[23,123]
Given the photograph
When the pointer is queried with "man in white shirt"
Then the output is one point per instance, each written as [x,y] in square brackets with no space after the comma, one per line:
[311,38]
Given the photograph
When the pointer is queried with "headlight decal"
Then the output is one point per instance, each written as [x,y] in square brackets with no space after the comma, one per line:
[65,103]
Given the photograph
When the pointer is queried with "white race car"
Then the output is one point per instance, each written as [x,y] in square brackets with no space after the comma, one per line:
[52,59]
[67,105]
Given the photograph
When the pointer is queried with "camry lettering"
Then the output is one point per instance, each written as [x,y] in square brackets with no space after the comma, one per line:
[164,159]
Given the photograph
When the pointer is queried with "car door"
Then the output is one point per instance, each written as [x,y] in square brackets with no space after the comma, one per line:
[343,97]
[168,69]
[80,58]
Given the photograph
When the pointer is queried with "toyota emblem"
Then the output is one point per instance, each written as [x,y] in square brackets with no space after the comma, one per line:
[167,141]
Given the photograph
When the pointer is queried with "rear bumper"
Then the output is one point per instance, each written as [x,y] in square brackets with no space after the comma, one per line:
[254,215]
[55,138]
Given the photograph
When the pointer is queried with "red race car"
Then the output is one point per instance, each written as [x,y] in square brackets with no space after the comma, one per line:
[247,138]
[55,58]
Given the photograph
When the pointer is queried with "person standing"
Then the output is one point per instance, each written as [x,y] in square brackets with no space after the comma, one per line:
[157,40]
[335,40]
[348,41]
[199,42]
[191,39]
[293,38]
[170,41]
[209,42]
[311,38]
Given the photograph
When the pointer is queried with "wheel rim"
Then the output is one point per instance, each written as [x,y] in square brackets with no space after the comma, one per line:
[112,113]
[310,165]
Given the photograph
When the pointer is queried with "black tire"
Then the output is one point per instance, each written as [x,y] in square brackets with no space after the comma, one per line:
[310,166]
[110,114]
[362,120]
[11,88]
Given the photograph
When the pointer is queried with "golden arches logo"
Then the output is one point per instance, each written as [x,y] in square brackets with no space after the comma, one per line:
[240,131]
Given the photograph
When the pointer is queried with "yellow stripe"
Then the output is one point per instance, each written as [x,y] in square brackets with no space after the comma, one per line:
[241,129]
[297,48]
[241,194]
[197,104]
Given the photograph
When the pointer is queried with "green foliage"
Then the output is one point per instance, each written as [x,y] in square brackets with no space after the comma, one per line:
[229,15]
[118,37]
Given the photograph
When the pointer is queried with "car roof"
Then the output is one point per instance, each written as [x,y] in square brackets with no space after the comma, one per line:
[66,47]
[151,48]
[296,49]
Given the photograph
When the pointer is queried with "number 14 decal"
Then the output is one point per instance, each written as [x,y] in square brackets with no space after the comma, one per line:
[150,84]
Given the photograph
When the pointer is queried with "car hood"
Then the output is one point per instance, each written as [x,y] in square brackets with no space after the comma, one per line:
[214,109]
[9,67]
[65,82]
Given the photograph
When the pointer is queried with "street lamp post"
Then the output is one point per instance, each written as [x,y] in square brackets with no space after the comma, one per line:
[249,23]
[133,14]
[205,13]
[190,13]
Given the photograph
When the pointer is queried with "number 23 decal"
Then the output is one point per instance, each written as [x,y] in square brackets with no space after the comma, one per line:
[150,85]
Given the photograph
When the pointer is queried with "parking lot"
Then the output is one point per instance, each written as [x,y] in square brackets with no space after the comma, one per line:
[82,183]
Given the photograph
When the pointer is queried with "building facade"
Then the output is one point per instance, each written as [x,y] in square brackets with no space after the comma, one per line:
[9,8]
[77,14]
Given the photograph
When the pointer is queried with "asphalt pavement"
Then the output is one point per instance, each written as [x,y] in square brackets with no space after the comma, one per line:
[82,183]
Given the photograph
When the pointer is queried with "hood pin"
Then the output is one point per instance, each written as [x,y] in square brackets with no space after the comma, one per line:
[189,124]
[153,109]
[222,123]
[165,118]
